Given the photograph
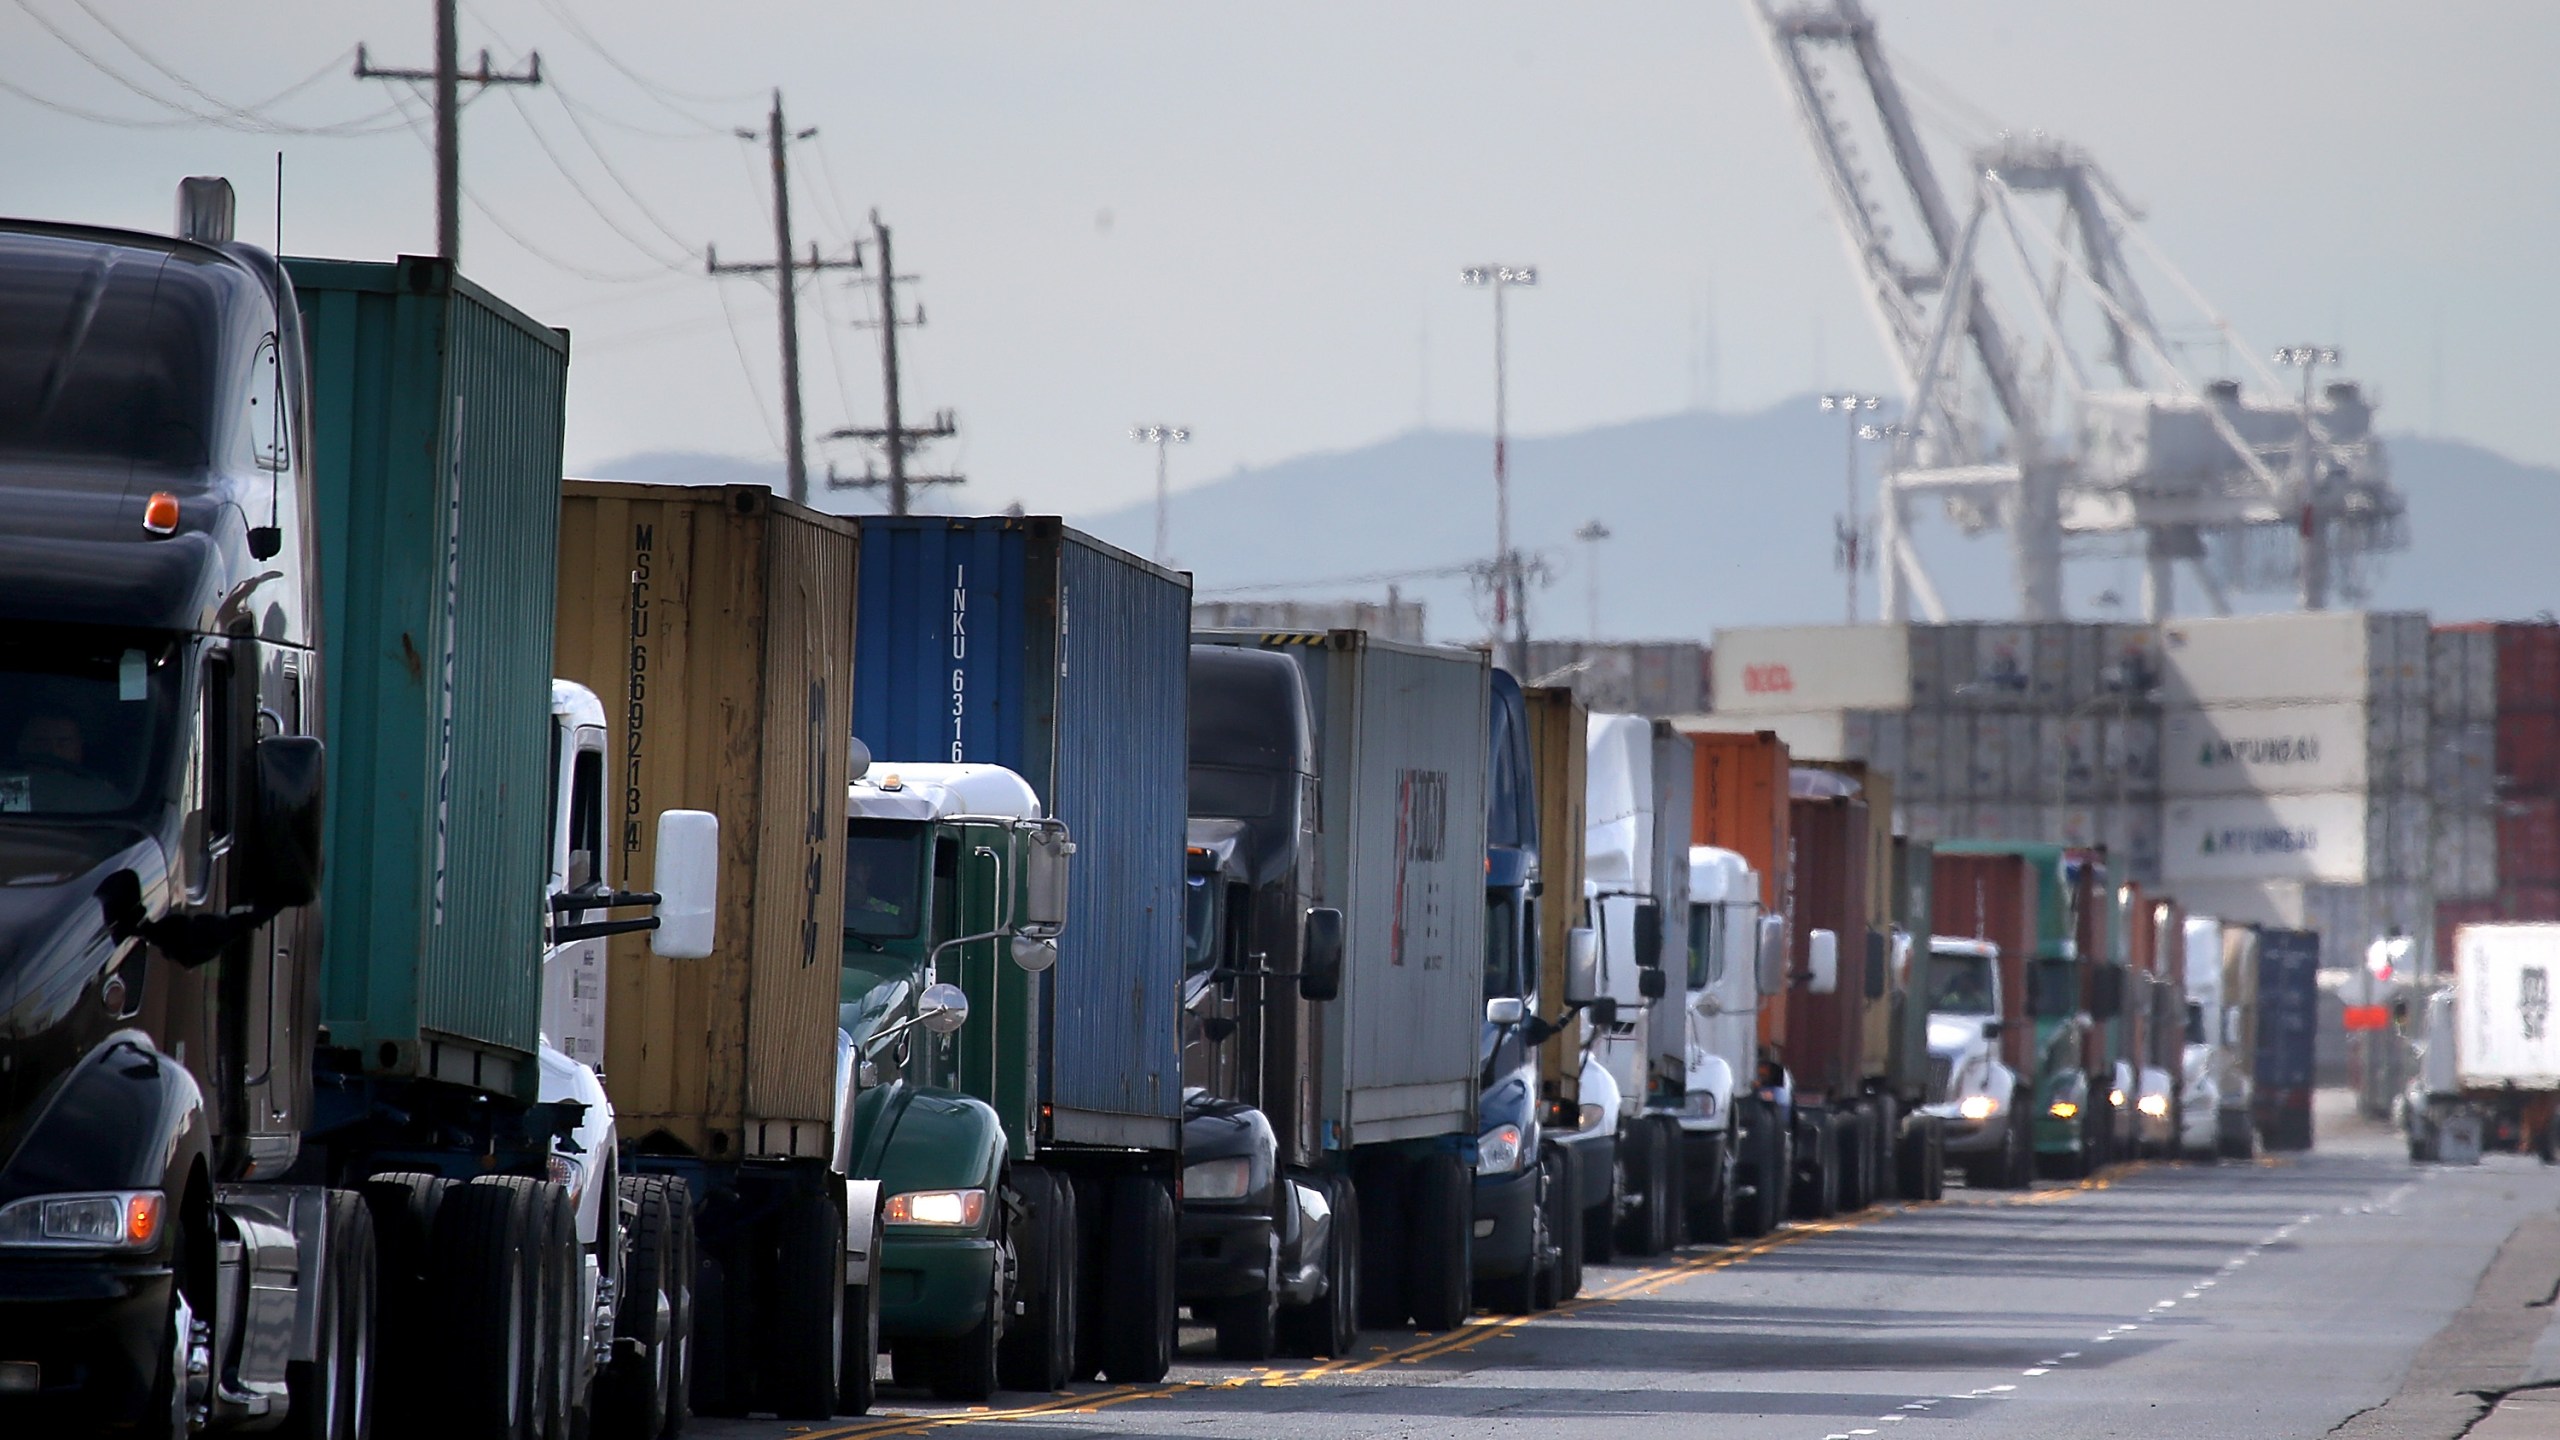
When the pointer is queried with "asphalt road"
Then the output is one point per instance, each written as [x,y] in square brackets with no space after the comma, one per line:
[2279,1299]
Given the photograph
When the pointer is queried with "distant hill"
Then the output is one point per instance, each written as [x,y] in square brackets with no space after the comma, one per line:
[1715,520]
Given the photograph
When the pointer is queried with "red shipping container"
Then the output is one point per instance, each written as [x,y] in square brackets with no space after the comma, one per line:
[2528,841]
[2528,667]
[2528,753]
[1826,1037]
[2529,902]
[1994,898]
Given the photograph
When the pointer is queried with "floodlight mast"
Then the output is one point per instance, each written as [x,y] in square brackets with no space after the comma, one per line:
[1510,573]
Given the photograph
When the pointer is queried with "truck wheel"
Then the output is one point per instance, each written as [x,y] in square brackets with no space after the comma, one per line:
[1093,1209]
[403,1205]
[1564,1225]
[1711,1217]
[1770,1173]
[1039,1350]
[1675,1183]
[1937,1162]
[858,1372]
[1247,1324]
[632,1395]
[1518,1294]
[1854,1142]
[803,1343]
[331,1396]
[1640,1224]
[684,1286]
[1818,1198]
[1137,1347]
[1600,1222]
[1380,1190]
[965,1369]
[720,1318]
[1329,1327]
[1439,1282]
[485,1280]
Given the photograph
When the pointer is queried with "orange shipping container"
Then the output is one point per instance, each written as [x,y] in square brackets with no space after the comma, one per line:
[1740,804]
[717,625]
[1559,756]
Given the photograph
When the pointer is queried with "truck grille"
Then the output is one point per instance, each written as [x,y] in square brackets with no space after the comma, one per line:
[1942,1075]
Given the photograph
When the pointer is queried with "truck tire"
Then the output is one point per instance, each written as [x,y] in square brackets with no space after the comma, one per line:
[803,1342]
[1329,1326]
[563,1392]
[1675,1183]
[485,1281]
[332,1396]
[685,1285]
[1937,1186]
[858,1374]
[1640,1227]
[1518,1294]
[720,1374]
[1564,1225]
[1137,1346]
[1817,1191]
[1853,1141]
[1093,1212]
[1711,1216]
[1381,1187]
[403,1205]
[1438,1280]
[1248,1325]
[1770,1172]
[634,1393]
[965,1368]
[1038,1352]
[1600,1222]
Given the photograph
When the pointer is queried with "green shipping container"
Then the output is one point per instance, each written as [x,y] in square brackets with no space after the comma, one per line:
[436,436]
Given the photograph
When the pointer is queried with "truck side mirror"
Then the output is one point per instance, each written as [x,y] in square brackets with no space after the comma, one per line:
[1992,1027]
[2106,992]
[1822,962]
[1875,965]
[942,1008]
[1581,965]
[2231,1025]
[291,770]
[1648,935]
[1044,880]
[1033,954]
[1602,1012]
[1652,984]
[1771,966]
[1320,957]
[1505,1010]
[687,882]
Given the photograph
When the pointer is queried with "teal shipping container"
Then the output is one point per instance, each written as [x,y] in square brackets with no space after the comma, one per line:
[437,414]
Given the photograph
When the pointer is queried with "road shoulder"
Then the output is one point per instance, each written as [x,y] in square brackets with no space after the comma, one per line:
[2482,1354]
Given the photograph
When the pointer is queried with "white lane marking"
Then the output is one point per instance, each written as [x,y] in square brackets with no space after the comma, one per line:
[2070,1354]
[2037,1370]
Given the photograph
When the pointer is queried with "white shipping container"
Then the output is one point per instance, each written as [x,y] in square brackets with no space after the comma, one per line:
[2006,820]
[2399,838]
[1922,819]
[2025,758]
[2131,834]
[2502,999]
[1794,669]
[2344,655]
[2297,749]
[2130,761]
[2243,902]
[1999,673]
[2462,682]
[2466,853]
[1884,747]
[2265,837]
[1928,644]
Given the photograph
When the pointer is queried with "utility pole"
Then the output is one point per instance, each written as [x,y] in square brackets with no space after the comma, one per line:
[784,267]
[446,76]
[1161,437]
[1510,576]
[1591,535]
[894,438]
[1849,533]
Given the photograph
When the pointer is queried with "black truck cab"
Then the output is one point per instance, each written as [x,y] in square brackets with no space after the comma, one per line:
[159,804]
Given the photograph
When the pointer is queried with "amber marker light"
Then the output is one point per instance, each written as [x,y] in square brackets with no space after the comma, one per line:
[160,513]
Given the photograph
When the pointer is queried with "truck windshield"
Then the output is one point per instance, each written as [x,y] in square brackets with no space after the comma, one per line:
[1502,945]
[1961,984]
[1224,792]
[1199,924]
[2195,1023]
[1706,945]
[85,722]
[883,878]
[106,352]
[2053,988]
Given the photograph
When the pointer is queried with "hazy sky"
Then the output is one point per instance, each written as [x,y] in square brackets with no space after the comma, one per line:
[1250,218]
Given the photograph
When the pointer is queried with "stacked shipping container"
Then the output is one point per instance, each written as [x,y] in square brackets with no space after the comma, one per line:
[2494,769]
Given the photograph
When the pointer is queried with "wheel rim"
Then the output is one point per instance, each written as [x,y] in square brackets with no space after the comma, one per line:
[182,1329]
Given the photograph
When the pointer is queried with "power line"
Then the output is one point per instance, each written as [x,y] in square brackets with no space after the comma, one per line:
[524,242]
[579,188]
[449,79]
[226,115]
[615,174]
[655,90]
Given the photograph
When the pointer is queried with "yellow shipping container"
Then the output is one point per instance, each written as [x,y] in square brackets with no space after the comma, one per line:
[717,625]
[1559,754]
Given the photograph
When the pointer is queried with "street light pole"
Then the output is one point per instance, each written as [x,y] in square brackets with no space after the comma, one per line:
[1160,436]
[1849,533]
[1510,580]
[1591,535]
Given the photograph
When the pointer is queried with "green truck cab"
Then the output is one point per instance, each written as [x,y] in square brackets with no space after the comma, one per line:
[955,892]
[2067,993]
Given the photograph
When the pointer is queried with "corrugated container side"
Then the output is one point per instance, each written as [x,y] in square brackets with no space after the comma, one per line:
[2528,665]
[2529,841]
[1825,1033]
[1005,640]
[1741,804]
[2317,655]
[2528,752]
[1992,897]
[2003,670]
[438,414]
[2025,762]
[2054,642]
[1923,769]
[2279,748]
[2317,838]
[1403,800]
[1675,800]
[1559,737]
[1927,667]
[1887,745]
[1813,667]
[717,624]
[2466,853]
[1122,700]
[2288,1007]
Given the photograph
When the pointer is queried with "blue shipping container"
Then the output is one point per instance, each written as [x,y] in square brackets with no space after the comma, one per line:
[1015,641]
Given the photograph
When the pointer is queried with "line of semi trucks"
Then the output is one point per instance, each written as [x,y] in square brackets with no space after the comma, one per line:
[1020,971]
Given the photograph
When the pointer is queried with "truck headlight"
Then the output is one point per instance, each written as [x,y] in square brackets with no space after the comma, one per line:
[2063,1109]
[2115,1097]
[1591,1116]
[2155,1106]
[109,1220]
[953,1208]
[1978,1107]
[1498,1150]
[1230,1179]
[1699,1105]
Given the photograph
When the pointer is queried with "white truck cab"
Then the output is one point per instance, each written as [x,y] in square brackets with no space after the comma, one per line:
[1972,1090]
